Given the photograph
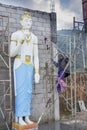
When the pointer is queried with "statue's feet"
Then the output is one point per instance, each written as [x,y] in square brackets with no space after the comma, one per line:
[28,121]
[22,122]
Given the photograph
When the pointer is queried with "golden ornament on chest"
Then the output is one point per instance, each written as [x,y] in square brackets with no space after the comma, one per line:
[27,38]
[27,60]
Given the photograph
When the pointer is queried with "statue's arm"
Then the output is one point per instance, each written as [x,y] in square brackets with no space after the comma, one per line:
[14,45]
[36,57]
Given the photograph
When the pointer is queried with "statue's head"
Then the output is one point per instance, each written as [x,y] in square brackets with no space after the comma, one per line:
[26,21]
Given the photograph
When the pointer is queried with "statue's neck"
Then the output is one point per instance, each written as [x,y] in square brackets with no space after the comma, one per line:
[26,31]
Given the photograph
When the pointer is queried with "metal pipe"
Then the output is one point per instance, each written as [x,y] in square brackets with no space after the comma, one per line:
[4,118]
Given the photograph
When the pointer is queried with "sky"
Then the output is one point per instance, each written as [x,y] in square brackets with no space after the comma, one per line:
[65,9]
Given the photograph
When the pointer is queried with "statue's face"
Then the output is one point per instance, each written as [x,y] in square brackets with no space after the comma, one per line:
[26,23]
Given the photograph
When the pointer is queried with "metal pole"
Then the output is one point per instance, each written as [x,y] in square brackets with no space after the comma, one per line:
[70,53]
[10,78]
[75,77]
[83,54]
[4,118]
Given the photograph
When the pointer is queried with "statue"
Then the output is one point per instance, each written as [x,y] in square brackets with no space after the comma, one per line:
[24,47]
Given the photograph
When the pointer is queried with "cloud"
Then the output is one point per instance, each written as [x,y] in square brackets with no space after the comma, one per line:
[65,9]
[38,1]
[65,15]
[77,8]
[42,5]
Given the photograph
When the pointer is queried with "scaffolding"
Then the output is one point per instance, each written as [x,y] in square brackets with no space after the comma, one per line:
[71,45]
[66,45]
[5,70]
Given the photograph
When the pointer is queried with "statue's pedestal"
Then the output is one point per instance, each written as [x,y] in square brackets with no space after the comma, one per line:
[16,126]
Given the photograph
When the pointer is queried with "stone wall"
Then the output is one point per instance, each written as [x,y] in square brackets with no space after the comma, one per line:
[43,28]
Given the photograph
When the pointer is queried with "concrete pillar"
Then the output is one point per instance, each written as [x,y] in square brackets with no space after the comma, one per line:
[56,106]
[56,96]
[54,41]
[53,27]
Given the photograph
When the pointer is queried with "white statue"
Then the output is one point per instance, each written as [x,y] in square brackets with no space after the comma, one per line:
[24,47]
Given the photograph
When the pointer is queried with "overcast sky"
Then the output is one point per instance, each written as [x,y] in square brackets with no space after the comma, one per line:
[65,9]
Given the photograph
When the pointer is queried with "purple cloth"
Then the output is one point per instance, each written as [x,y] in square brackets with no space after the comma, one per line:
[63,76]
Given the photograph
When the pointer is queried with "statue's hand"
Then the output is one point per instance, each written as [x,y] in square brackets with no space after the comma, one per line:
[21,41]
[37,78]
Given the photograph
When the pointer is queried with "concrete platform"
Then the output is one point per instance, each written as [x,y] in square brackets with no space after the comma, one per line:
[16,126]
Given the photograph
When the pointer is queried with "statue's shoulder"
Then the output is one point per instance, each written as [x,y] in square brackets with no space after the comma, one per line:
[34,36]
[17,34]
